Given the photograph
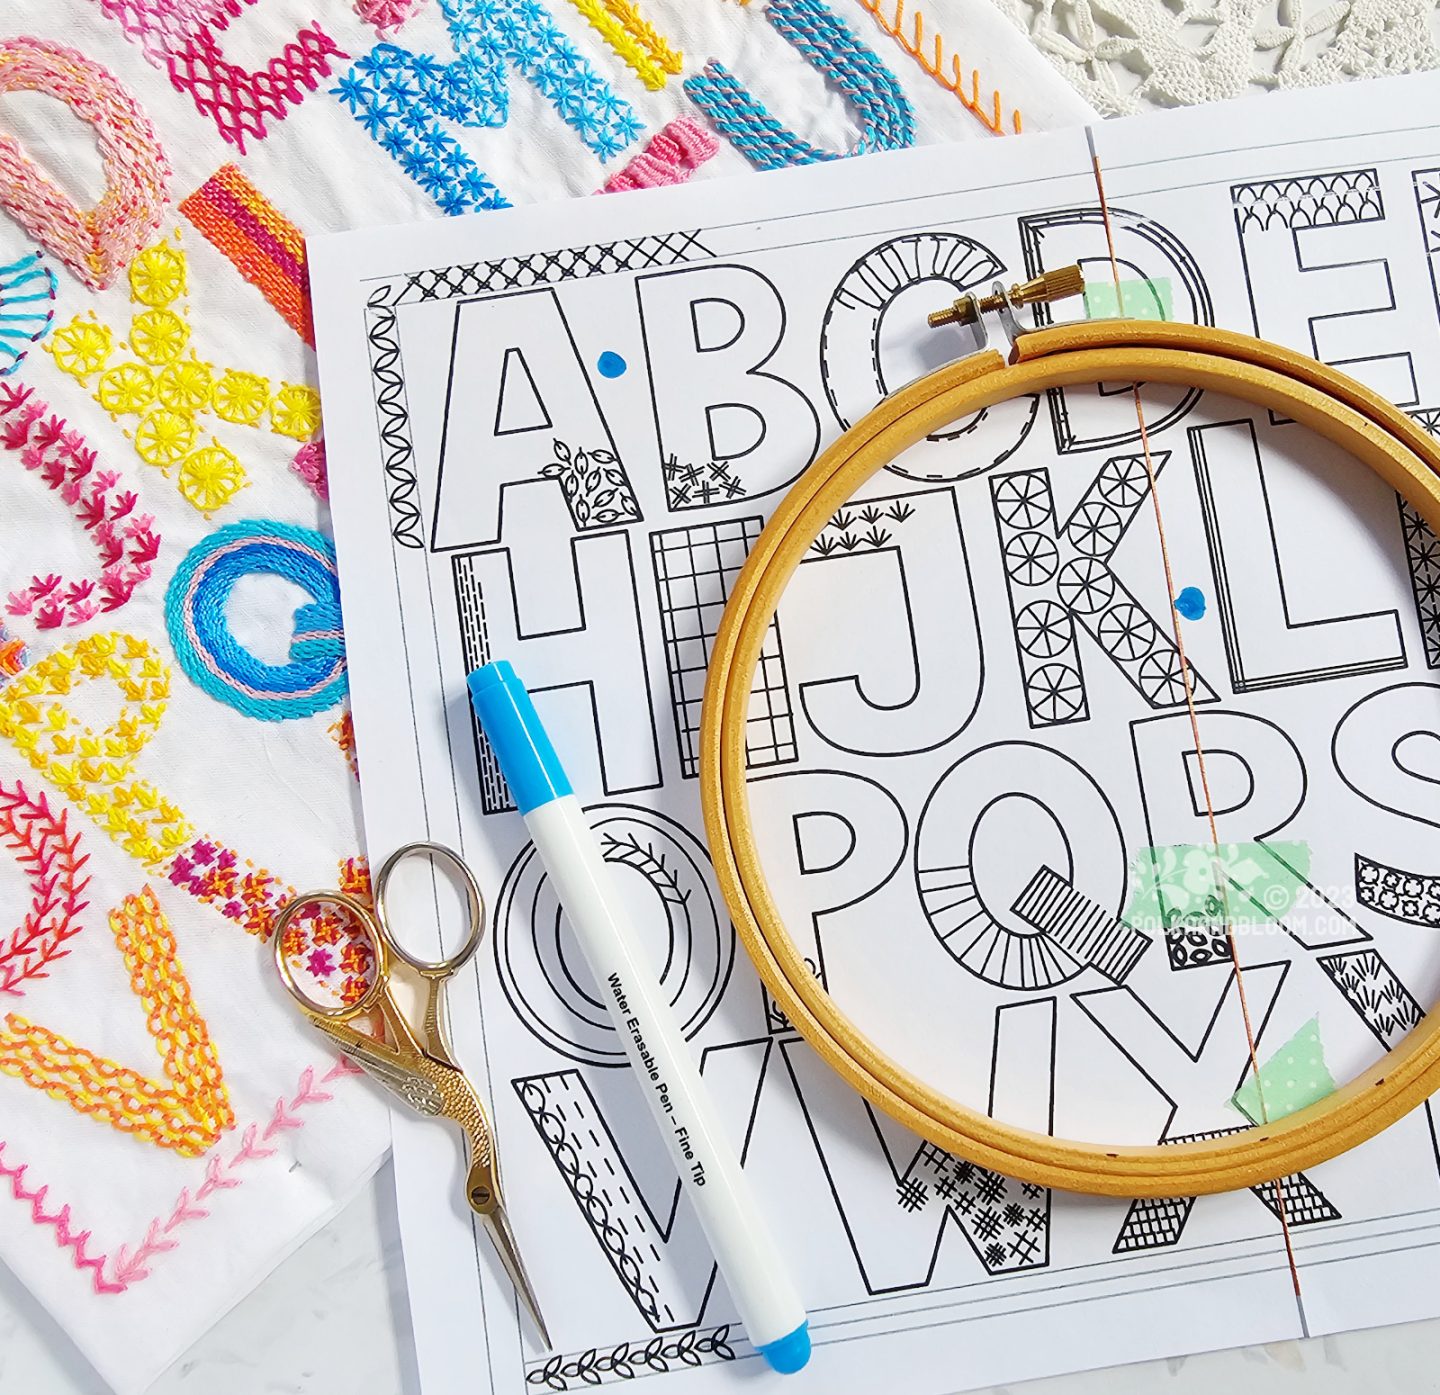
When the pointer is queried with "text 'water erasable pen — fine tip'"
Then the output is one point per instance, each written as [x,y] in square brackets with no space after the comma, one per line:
[709,1169]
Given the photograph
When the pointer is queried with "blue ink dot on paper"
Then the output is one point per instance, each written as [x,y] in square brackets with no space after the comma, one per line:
[1191,603]
[610,364]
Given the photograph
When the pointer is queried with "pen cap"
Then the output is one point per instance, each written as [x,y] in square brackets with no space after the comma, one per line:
[512,726]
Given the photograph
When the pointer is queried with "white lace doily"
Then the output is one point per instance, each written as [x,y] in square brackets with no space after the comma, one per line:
[1126,56]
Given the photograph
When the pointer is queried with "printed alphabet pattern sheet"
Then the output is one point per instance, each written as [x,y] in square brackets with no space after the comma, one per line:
[972,770]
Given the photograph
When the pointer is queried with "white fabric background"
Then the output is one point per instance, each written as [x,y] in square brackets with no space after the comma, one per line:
[280,793]
[334,1314]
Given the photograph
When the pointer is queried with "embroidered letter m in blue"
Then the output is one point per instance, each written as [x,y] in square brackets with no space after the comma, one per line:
[400,97]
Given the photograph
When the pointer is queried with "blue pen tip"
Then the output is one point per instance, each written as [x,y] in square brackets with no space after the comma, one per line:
[789,1353]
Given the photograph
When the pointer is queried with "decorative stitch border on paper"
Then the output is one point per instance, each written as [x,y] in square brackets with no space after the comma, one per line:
[562,264]
[392,411]
[652,1357]
[387,369]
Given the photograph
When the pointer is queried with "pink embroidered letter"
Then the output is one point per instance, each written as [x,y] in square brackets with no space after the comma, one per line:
[179,37]
[94,243]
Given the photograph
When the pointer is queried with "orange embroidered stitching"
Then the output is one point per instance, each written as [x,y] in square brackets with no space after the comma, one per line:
[954,82]
[130,1267]
[328,947]
[190,1112]
[13,654]
[344,733]
[264,246]
[355,879]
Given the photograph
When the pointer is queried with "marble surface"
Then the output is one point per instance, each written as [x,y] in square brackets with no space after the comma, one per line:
[333,1317]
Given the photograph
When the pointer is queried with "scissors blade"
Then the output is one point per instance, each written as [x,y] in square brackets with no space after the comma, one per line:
[497,1223]
[388,1069]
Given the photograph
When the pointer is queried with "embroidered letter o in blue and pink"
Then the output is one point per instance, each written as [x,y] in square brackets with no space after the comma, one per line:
[314,679]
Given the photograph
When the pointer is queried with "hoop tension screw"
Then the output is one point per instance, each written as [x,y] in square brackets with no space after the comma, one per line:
[1060,284]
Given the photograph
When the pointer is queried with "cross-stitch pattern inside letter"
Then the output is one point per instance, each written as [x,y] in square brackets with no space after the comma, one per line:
[176,753]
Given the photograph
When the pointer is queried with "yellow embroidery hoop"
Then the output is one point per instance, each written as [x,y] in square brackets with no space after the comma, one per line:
[1329,403]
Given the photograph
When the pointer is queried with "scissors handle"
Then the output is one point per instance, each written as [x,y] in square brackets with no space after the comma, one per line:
[368,1000]
[432,969]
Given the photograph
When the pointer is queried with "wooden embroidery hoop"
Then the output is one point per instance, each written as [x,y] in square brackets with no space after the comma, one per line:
[1115,351]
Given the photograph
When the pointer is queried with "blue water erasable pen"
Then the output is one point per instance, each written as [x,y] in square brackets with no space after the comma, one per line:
[744,1248]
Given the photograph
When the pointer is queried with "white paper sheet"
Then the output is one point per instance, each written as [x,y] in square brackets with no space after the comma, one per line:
[968,715]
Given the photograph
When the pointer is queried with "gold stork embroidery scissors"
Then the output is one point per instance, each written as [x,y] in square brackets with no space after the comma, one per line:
[421,1071]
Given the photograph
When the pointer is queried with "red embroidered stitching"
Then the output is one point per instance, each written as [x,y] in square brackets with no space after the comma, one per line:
[259,241]
[211,873]
[48,854]
[673,154]
[96,772]
[179,39]
[328,946]
[126,541]
[131,1268]
[355,879]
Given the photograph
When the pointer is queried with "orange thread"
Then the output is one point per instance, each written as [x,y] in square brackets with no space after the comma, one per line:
[266,248]
[355,878]
[131,1266]
[12,654]
[187,1114]
[331,947]
[343,732]
[953,81]
[1218,873]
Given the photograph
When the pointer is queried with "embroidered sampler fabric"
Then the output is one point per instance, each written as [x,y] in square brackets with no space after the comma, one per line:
[175,749]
